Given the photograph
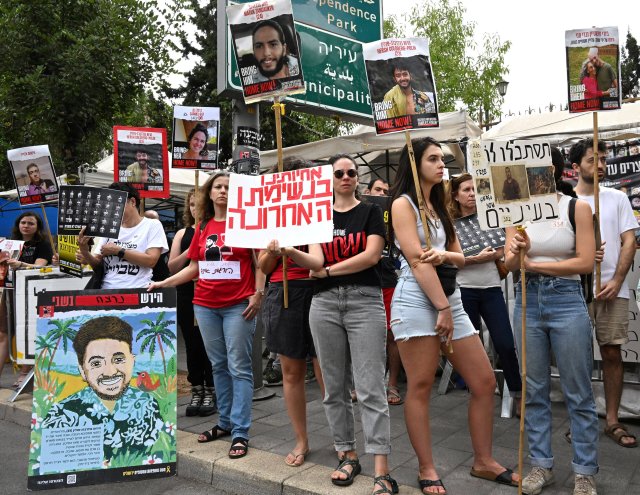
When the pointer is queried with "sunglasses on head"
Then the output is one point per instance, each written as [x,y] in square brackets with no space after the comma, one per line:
[339,174]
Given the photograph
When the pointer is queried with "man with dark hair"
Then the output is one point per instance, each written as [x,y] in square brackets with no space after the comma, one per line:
[377,187]
[609,310]
[510,188]
[38,185]
[140,171]
[129,260]
[271,52]
[405,99]
[128,418]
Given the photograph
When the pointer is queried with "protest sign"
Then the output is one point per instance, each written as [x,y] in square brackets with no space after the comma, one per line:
[195,137]
[9,250]
[593,69]
[401,84]
[33,174]
[68,246]
[141,160]
[267,49]
[473,239]
[514,182]
[100,210]
[104,399]
[287,206]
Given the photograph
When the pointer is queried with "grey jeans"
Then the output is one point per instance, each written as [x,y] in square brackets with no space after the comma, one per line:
[349,328]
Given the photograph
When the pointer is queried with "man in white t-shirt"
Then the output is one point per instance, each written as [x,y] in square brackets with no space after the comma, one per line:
[129,260]
[609,310]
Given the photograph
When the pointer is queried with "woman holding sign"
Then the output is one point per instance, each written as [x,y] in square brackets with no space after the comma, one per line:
[226,300]
[479,282]
[424,320]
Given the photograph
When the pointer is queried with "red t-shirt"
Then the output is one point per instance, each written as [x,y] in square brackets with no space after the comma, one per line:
[221,293]
[294,272]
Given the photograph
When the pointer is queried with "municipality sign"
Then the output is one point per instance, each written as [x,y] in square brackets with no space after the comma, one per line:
[331,37]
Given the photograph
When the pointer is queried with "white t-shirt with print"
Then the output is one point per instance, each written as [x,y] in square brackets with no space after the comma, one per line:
[616,217]
[119,273]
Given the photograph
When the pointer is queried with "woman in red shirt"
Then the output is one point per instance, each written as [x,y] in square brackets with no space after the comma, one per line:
[226,300]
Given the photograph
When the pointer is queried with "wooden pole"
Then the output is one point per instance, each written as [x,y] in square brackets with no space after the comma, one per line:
[46,223]
[523,362]
[278,110]
[596,192]
[421,206]
[196,193]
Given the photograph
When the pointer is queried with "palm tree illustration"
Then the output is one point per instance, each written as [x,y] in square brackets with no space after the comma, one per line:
[45,346]
[155,335]
[62,333]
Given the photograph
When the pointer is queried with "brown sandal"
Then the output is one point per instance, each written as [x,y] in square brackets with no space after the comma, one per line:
[617,432]
[393,396]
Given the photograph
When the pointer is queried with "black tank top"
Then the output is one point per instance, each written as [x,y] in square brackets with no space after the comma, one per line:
[186,290]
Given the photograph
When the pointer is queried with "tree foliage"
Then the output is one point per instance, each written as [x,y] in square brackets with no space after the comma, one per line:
[630,68]
[71,69]
[200,89]
[466,75]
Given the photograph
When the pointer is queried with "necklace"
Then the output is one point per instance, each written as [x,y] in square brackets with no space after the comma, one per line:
[434,217]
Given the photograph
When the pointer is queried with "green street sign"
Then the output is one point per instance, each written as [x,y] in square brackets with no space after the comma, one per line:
[334,73]
[331,36]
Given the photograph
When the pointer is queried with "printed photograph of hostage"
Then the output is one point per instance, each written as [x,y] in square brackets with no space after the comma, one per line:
[510,183]
[34,176]
[141,170]
[267,49]
[403,93]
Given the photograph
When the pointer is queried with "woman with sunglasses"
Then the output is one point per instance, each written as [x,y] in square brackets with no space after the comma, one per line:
[425,321]
[348,325]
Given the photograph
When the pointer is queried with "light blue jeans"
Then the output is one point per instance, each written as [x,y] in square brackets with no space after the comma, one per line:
[558,321]
[349,329]
[228,340]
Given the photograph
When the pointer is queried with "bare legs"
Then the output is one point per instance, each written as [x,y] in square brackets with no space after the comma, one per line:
[613,374]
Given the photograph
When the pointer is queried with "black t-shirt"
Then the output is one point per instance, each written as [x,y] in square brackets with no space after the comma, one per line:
[31,251]
[350,231]
[186,289]
[388,271]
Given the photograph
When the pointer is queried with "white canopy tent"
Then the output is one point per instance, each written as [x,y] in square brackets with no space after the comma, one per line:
[564,128]
[454,127]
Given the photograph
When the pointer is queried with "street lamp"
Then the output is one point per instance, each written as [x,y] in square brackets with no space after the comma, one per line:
[502,87]
[502,90]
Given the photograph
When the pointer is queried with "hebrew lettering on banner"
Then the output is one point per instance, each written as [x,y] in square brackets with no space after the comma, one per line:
[287,206]
[514,182]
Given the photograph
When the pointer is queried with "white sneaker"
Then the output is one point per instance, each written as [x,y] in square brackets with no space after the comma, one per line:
[536,480]
[585,485]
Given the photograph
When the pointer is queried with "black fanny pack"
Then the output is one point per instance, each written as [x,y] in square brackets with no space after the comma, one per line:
[447,276]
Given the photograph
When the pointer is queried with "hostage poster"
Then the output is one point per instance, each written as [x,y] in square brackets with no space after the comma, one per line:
[33,174]
[514,182]
[267,49]
[593,69]
[195,137]
[401,84]
[140,158]
[104,399]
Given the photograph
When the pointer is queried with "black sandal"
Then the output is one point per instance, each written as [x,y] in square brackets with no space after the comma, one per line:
[213,434]
[241,444]
[429,483]
[355,464]
[378,480]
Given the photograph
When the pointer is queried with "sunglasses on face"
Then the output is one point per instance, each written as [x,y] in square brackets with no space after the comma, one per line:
[339,174]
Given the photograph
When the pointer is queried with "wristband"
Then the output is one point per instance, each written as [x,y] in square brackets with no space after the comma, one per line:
[260,291]
[326,269]
[442,309]
[121,253]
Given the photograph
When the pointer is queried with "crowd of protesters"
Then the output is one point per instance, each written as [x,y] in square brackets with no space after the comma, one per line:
[360,315]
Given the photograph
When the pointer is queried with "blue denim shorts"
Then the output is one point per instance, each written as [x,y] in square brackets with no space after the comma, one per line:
[413,315]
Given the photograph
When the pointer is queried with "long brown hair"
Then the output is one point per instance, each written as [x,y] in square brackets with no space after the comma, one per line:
[38,235]
[187,217]
[205,208]
[454,187]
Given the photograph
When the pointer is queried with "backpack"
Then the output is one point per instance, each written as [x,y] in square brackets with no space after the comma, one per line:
[586,279]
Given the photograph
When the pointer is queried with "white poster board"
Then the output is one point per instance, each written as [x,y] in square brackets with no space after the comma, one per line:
[514,182]
[294,207]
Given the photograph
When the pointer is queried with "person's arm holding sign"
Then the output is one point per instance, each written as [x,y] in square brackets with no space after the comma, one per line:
[84,255]
[185,275]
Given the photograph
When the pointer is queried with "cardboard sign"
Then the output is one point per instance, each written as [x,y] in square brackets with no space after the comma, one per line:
[99,210]
[33,174]
[141,160]
[401,84]
[287,206]
[195,137]
[473,239]
[514,182]
[593,69]
[104,399]
[267,49]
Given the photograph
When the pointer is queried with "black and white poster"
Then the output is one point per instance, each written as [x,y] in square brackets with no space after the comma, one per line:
[473,239]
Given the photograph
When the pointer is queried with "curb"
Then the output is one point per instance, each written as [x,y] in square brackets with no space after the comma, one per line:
[260,473]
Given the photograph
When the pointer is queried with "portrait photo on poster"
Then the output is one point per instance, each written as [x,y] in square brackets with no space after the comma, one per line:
[267,49]
[34,175]
[510,182]
[401,84]
[593,69]
[195,137]
[140,156]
